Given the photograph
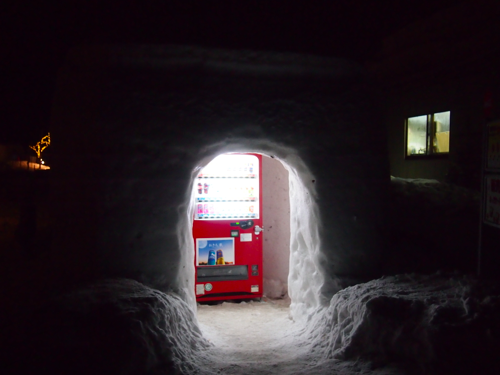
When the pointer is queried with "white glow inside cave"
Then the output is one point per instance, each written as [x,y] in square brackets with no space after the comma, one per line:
[305,278]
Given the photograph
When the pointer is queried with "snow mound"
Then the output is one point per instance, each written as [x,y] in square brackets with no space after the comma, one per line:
[113,327]
[430,323]
[417,324]
[436,192]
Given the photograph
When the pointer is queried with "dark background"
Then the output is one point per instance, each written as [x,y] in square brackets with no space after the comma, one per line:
[35,37]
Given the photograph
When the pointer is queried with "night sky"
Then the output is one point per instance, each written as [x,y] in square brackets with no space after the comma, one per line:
[35,37]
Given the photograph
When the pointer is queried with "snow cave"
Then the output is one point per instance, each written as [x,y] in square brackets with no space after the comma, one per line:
[131,128]
[143,118]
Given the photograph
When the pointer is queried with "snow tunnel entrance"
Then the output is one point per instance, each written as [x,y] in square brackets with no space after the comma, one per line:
[292,280]
[292,253]
[241,228]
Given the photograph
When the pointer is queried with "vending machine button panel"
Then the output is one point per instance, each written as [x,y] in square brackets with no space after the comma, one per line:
[255,270]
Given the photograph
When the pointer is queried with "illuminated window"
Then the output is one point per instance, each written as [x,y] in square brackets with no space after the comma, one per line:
[428,134]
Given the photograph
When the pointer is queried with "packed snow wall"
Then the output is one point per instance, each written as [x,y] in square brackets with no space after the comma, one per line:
[133,124]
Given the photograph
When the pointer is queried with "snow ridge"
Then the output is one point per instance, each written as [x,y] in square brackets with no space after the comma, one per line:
[116,326]
[406,319]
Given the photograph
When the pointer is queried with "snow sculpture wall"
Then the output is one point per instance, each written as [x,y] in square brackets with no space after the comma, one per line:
[132,125]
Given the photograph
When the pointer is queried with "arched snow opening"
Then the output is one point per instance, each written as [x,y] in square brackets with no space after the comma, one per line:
[305,279]
[122,201]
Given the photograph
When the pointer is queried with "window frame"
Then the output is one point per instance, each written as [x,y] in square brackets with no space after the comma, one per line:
[429,130]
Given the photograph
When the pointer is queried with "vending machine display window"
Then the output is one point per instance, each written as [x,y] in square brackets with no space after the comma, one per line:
[228,188]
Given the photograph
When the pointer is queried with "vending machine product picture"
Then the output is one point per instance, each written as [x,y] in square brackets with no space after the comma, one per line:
[227,228]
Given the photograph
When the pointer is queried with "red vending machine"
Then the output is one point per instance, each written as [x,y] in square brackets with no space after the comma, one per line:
[227,228]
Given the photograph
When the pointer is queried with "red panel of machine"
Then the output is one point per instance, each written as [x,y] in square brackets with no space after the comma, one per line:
[227,228]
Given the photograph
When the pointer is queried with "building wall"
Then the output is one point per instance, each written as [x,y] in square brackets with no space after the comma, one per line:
[447,61]
[276,215]
[465,99]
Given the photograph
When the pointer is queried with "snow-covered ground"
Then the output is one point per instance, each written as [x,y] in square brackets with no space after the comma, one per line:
[248,336]
[261,338]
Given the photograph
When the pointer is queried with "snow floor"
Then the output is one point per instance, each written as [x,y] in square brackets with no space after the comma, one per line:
[251,333]
[261,338]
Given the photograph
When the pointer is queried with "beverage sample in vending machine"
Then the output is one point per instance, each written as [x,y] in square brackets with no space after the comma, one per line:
[220,257]
[226,188]
[211,258]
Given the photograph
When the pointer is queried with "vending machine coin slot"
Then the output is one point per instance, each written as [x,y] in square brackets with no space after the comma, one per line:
[243,224]
[246,224]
